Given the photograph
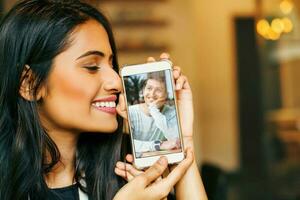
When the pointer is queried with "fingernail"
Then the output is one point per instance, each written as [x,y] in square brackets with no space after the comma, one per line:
[177,86]
[162,160]
[165,54]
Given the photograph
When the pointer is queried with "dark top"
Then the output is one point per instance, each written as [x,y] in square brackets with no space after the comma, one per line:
[65,193]
[71,192]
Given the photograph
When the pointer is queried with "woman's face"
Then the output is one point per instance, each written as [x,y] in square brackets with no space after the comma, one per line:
[82,87]
[155,92]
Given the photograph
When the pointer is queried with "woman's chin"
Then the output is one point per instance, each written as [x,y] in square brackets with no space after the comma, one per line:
[109,128]
[98,127]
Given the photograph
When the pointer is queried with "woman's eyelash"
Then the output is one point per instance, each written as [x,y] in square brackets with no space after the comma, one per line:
[92,68]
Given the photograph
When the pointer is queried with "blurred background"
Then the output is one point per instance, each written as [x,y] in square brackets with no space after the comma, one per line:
[242,58]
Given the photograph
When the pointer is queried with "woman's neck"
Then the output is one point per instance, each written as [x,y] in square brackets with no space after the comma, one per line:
[62,174]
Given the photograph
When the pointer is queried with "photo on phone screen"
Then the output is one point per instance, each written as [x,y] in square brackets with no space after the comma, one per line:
[152,113]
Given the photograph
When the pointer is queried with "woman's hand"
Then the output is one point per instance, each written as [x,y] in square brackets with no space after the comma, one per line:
[127,170]
[147,185]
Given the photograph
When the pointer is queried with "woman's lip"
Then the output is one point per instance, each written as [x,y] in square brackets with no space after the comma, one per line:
[110,98]
[107,110]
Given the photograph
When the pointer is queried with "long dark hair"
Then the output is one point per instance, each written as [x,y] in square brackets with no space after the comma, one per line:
[32,33]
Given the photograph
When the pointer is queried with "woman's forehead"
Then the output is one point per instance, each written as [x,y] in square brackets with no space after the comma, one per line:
[90,36]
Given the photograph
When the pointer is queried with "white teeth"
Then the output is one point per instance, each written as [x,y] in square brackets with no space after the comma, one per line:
[110,104]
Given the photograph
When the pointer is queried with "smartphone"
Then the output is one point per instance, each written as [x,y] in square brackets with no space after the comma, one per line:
[154,123]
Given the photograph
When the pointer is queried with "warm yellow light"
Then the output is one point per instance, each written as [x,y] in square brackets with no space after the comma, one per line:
[277,25]
[272,35]
[274,30]
[263,27]
[286,6]
[288,25]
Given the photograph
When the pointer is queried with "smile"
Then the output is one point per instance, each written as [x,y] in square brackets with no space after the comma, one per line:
[108,106]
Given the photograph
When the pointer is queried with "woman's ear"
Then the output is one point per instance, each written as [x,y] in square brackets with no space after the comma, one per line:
[27,85]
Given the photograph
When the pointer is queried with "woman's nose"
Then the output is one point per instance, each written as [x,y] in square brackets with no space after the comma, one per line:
[112,81]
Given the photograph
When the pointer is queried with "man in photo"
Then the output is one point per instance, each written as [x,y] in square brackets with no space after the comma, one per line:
[154,122]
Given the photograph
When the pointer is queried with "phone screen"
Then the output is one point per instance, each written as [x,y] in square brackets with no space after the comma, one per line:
[153,119]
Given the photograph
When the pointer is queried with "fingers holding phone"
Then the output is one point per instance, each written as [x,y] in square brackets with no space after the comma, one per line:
[149,184]
[140,186]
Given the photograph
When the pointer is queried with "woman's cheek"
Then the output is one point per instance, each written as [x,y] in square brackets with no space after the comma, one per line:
[75,87]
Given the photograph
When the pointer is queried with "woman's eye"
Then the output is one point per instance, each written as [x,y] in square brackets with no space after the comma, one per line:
[92,68]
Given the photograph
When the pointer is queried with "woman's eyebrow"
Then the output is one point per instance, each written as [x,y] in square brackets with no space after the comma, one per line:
[97,53]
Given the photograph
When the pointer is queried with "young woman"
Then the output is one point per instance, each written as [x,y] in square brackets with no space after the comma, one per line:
[57,62]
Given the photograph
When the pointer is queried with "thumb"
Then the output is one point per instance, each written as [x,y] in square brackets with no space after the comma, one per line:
[155,171]
[121,107]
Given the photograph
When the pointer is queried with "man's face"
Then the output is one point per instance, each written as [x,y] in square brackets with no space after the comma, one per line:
[155,93]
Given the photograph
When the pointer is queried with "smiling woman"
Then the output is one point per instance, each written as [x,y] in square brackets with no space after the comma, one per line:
[61,108]
[81,76]
[58,59]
